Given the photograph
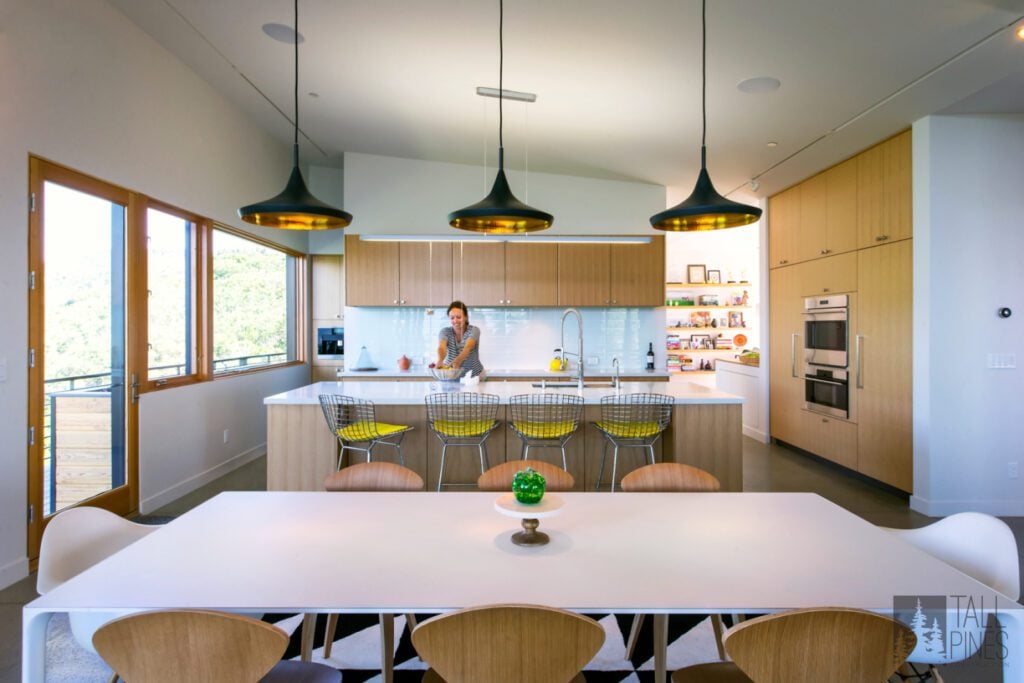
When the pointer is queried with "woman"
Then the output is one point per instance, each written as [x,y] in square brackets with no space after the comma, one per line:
[459,345]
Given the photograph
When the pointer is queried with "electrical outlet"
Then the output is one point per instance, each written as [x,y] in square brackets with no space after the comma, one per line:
[592,361]
[1011,470]
[227,435]
[1002,361]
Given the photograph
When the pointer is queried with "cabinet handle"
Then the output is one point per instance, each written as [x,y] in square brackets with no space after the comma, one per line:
[825,420]
[860,377]
[826,289]
[826,251]
[396,301]
[792,356]
[881,238]
[615,301]
[783,262]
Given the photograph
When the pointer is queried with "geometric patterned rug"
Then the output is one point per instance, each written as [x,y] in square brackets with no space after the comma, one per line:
[356,649]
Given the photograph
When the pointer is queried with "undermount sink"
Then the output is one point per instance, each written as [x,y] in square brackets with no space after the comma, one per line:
[572,385]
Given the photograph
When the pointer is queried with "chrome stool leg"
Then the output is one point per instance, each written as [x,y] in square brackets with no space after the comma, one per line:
[615,465]
[600,471]
[440,476]
[483,458]
[650,449]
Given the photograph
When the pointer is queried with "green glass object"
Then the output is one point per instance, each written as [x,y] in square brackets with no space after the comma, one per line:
[528,486]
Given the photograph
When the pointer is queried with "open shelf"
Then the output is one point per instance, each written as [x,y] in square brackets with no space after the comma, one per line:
[695,285]
[709,308]
[683,352]
[691,329]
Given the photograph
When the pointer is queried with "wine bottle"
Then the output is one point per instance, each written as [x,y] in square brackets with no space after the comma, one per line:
[650,356]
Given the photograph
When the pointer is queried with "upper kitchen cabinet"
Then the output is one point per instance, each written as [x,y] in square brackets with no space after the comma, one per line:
[328,288]
[531,274]
[479,273]
[884,192]
[398,273]
[424,273]
[612,274]
[371,273]
[841,208]
[783,227]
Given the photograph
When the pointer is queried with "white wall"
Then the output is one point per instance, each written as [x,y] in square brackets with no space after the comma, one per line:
[968,241]
[85,87]
[387,195]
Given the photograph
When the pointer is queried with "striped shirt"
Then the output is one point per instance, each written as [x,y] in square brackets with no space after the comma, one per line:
[454,348]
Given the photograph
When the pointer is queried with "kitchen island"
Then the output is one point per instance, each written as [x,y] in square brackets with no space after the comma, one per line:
[706,431]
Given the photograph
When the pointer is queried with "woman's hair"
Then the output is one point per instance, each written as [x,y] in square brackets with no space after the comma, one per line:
[459,305]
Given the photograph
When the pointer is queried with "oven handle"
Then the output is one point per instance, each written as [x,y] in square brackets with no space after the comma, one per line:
[860,377]
[824,381]
[792,356]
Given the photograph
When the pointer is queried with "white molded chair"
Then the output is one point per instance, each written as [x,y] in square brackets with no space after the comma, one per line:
[75,540]
[979,545]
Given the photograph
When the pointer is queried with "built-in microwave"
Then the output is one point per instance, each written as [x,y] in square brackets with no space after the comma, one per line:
[825,330]
[330,343]
[827,391]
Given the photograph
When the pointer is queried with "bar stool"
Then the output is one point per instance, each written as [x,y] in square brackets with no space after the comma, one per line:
[462,419]
[632,421]
[353,420]
[545,420]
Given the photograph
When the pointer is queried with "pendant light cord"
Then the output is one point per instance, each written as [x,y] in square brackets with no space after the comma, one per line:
[703,82]
[501,72]
[296,39]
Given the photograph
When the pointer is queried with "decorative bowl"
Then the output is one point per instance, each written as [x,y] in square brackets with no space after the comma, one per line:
[447,374]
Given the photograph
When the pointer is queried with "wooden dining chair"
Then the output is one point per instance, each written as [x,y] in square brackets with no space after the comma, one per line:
[507,644]
[196,645]
[808,646]
[367,476]
[670,477]
[499,477]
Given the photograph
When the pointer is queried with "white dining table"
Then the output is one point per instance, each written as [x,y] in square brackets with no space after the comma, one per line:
[653,553]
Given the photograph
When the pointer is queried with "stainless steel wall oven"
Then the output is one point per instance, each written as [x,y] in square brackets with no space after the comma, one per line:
[827,391]
[825,330]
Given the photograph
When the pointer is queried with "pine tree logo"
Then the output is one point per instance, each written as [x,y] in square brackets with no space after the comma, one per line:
[926,616]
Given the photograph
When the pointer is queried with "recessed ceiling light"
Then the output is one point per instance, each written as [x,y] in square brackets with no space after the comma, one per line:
[759,85]
[314,94]
[282,33]
[771,145]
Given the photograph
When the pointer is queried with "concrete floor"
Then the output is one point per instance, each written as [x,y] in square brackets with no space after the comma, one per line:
[765,468]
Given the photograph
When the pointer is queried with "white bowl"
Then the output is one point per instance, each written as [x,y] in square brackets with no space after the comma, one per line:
[447,374]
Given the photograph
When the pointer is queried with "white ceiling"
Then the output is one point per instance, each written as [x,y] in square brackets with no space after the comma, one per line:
[617,82]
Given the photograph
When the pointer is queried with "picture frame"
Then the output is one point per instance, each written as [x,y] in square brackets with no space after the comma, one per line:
[714,277]
[696,274]
[700,341]
[736,319]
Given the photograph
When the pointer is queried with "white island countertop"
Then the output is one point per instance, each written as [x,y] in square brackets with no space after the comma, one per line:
[413,393]
[505,374]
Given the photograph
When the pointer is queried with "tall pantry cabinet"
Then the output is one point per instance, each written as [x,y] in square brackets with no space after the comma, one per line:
[848,230]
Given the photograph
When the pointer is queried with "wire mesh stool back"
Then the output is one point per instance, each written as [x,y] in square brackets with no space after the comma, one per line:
[462,419]
[353,420]
[545,420]
[632,421]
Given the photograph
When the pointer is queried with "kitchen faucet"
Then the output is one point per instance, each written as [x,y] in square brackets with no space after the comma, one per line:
[615,381]
[579,353]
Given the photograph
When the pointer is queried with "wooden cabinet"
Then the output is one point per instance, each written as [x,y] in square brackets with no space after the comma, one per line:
[884,192]
[531,274]
[841,208]
[371,272]
[832,439]
[830,275]
[881,372]
[786,386]
[424,273]
[328,288]
[783,226]
[479,273]
[612,274]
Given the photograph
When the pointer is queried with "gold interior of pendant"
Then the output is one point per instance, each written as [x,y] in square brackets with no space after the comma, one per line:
[290,220]
[500,225]
[705,221]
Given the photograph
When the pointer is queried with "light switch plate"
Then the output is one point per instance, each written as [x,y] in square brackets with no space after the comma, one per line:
[3,369]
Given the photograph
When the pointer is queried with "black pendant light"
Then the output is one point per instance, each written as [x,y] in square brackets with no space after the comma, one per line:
[500,212]
[295,208]
[704,209]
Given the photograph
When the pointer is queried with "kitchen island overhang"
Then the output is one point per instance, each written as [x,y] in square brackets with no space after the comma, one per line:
[705,431]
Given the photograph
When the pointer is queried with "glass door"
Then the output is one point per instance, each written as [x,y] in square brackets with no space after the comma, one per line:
[78,404]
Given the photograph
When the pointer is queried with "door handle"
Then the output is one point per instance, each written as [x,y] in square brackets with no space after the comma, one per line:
[135,388]
[792,356]
[860,377]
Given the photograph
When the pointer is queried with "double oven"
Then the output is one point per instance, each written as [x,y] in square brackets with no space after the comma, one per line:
[826,355]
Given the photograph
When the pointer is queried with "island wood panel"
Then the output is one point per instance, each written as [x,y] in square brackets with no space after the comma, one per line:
[301,451]
[583,276]
[709,437]
[884,401]
[371,277]
[884,192]
[462,463]
[629,458]
[637,273]
[478,274]
[531,274]
[425,273]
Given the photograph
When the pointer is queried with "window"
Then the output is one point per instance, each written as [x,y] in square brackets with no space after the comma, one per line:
[254,303]
[170,287]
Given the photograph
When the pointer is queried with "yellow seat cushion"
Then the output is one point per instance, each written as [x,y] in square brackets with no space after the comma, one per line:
[629,430]
[544,430]
[366,430]
[463,427]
